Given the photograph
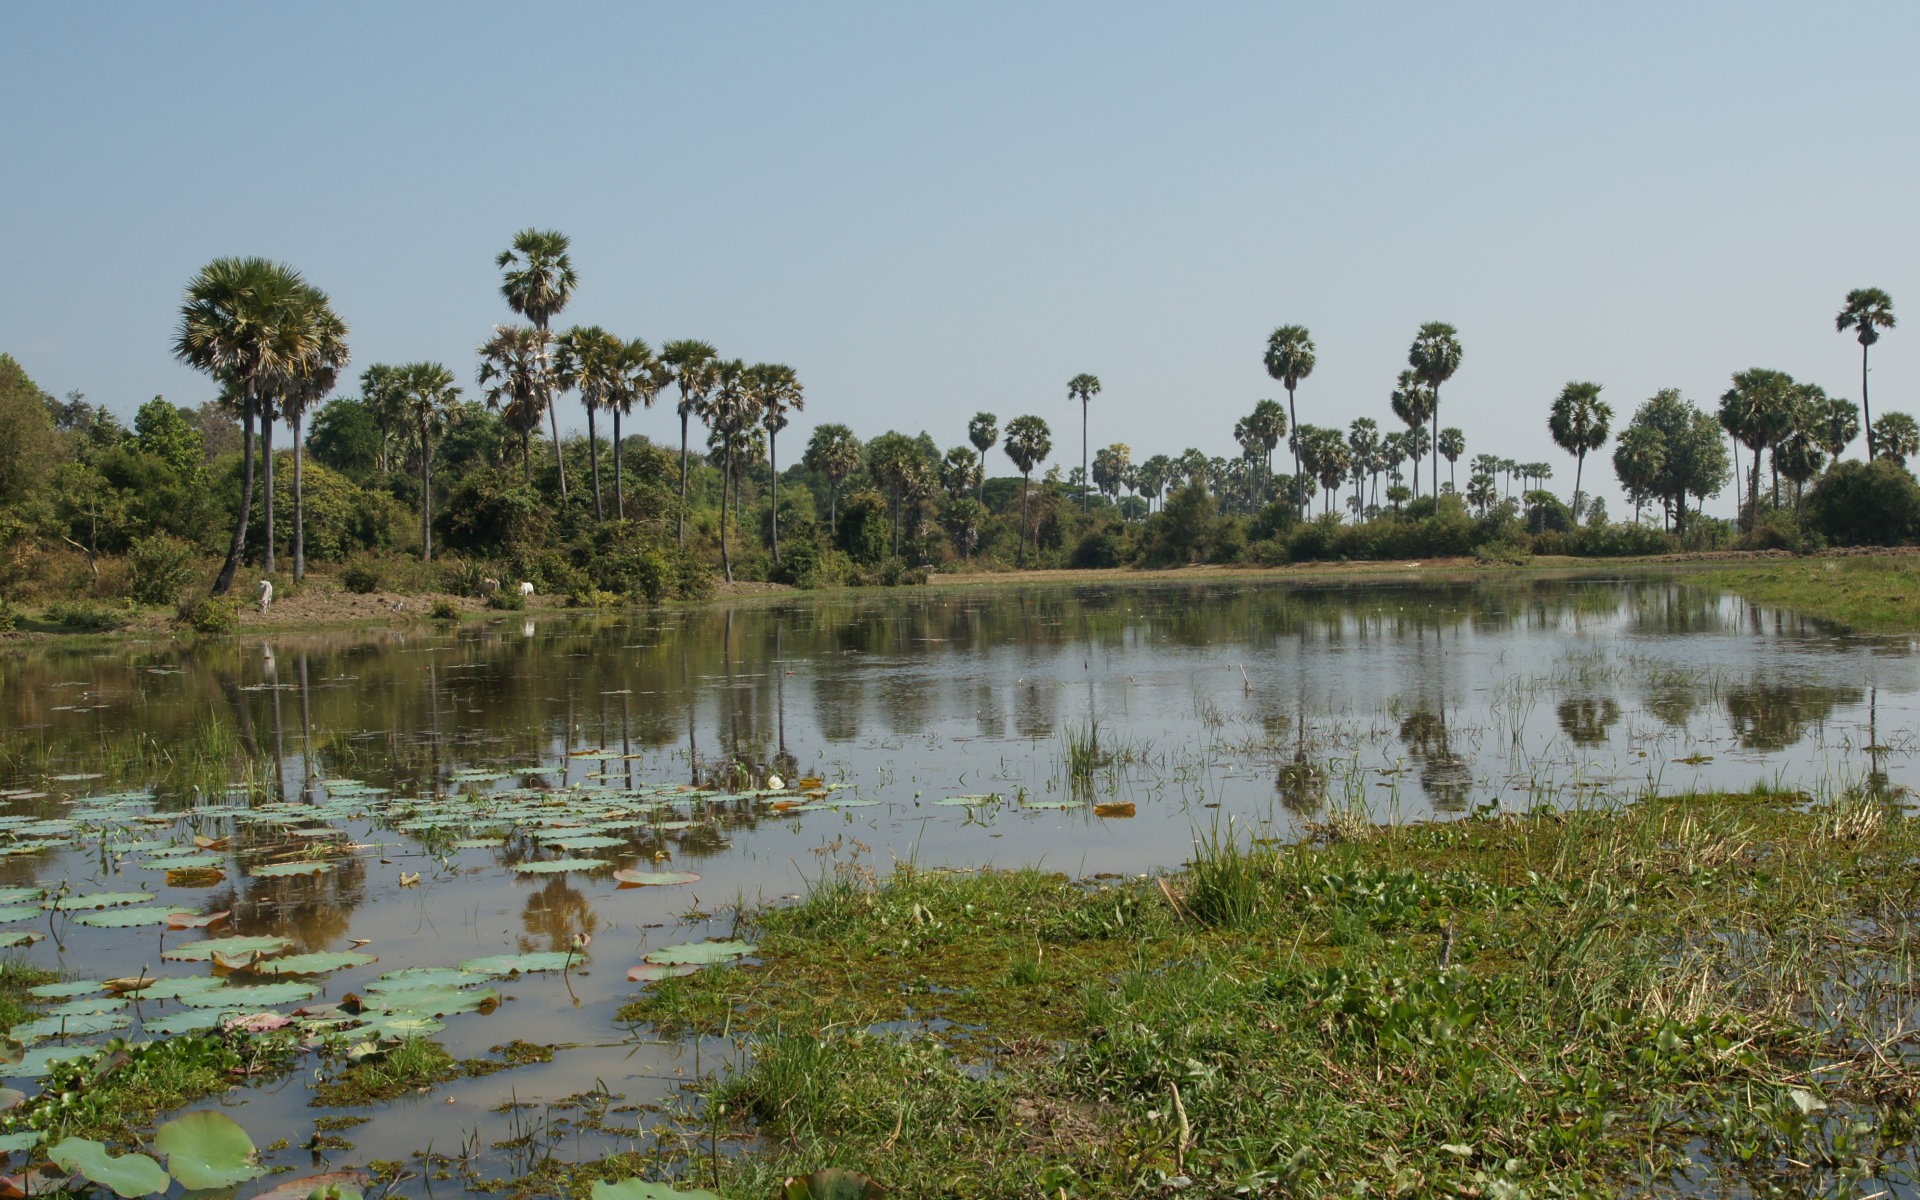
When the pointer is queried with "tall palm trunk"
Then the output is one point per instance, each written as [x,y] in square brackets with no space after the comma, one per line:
[553,410]
[266,453]
[833,508]
[593,456]
[1022,560]
[299,504]
[726,562]
[1579,464]
[238,546]
[619,492]
[526,457]
[1436,448]
[1293,442]
[1866,410]
[681,536]
[426,496]
[773,507]
[1085,478]
[1753,491]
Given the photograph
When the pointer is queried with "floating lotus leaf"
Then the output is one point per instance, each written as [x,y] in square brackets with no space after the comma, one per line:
[654,972]
[174,987]
[400,1025]
[283,870]
[86,1006]
[13,1143]
[101,900]
[315,964]
[700,953]
[20,912]
[84,1025]
[966,801]
[636,1189]
[124,918]
[585,841]
[434,1001]
[20,937]
[189,1020]
[333,1185]
[252,998]
[480,843]
[523,964]
[638,878]
[414,978]
[831,1184]
[18,895]
[186,862]
[206,1150]
[127,1174]
[204,951]
[64,990]
[1059,803]
[187,920]
[555,866]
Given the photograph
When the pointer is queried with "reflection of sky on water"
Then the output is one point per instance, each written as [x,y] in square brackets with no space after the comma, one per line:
[1231,701]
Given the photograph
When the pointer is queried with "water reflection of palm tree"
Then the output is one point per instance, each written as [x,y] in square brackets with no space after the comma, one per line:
[314,911]
[1444,775]
[556,913]
[1586,720]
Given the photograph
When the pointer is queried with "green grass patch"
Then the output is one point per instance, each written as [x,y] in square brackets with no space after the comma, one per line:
[414,1065]
[1870,593]
[114,1092]
[1706,992]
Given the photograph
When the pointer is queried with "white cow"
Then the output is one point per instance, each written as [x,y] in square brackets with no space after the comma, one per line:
[526,588]
[266,594]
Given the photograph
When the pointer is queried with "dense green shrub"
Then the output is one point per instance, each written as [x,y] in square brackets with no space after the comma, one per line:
[1865,504]
[443,609]
[362,577]
[158,566]
[1101,546]
[507,599]
[1780,529]
[8,618]
[1619,540]
[866,528]
[83,617]
[212,614]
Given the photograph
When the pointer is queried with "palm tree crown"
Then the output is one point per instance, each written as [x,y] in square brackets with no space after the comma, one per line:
[1289,359]
[1028,443]
[1578,422]
[1434,357]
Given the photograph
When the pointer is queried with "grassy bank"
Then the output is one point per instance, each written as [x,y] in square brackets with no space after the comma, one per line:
[1707,993]
[1871,593]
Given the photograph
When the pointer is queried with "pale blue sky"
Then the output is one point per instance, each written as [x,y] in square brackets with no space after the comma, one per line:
[930,210]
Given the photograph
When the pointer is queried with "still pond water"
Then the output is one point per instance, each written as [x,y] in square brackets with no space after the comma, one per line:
[424,798]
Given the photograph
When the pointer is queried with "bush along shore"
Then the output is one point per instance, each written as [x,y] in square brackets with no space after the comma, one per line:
[1706,994]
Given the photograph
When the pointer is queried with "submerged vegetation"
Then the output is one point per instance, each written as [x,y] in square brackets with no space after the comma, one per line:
[1697,993]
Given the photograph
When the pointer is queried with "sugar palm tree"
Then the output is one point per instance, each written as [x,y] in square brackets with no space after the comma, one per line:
[1434,357]
[1289,359]
[1152,476]
[640,380]
[1028,443]
[1268,422]
[1084,388]
[960,472]
[1758,411]
[433,401]
[513,377]
[230,327]
[309,379]
[691,364]
[538,283]
[1363,441]
[1110,468]
[1839,424]
[381,394]
[774,388]
[1898,436]
[592,361]
[983,431]
[1578,423]
[1453,444]
[730,414]
[834,453]
[1415,401]
[1866,312]
[894,462]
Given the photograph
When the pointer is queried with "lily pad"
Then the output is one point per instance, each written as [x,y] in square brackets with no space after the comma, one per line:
[20,937]
[633,877]
[176,986]
[415,978]
[638,1189]
[252,998]
[554,866]
[101,900]
[13,1143]
[434,1001]
[185,862]
[206,1150]
[18,895]
[65,990]
[128,1175]
[203,951]
[124,918]
[284,870]
[83,1025]
[700,953]
[315,964]
[20,912]
[187,1020]
[655,972]
[522,964]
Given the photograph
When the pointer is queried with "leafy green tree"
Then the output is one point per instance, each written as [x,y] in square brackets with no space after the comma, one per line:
[235,324]
[1028,443]
[1453,444]
[1083,387]
[1692,454]
[1639,455]
[513,378]
[539,281]
[29,444]
[691,365]
[775,389]
[344,438]
[1434,357]
[834,454]
[433,401]
[964,518]
[169,434]
[1578,422]
[1873,503]
[1867,311]
[593,362]
[1898,437]
[1289,359]
[1757,411]
[896,463]
[1414,402]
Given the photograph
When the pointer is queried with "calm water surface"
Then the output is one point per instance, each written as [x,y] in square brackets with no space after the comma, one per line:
[942,723]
